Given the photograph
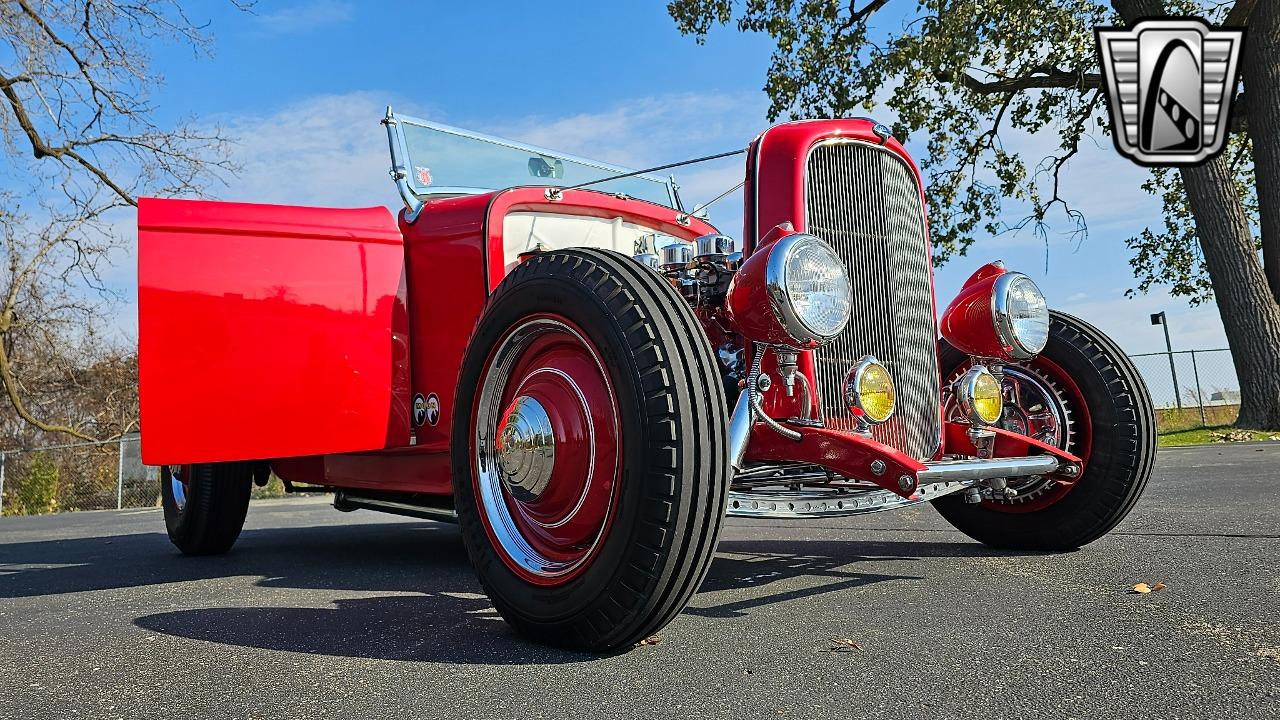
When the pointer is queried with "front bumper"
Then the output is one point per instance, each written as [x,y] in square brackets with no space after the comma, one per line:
[858,457]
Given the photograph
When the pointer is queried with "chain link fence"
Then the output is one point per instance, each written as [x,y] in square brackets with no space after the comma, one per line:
[106,475]
[76,476]
[1191,388]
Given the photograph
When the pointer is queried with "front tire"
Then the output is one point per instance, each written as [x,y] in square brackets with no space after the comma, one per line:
[1089,386]
[205,505]
[590,458]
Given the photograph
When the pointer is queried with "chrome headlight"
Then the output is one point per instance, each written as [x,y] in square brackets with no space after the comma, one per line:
[809,288]
[1021,315]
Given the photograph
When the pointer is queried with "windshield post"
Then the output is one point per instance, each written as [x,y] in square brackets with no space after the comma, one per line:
[400,167]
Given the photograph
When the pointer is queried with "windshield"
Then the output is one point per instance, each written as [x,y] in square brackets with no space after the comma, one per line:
[448,161]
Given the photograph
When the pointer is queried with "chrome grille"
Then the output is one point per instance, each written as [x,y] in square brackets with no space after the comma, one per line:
[864,201]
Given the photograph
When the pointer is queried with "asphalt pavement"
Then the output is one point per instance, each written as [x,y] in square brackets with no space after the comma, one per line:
[320,614]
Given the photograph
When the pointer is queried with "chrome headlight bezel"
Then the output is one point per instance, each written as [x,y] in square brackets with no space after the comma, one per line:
[1002,316]
[776,284]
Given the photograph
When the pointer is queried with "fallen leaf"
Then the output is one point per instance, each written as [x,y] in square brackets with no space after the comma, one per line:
[1232,436]
[1141,589]
[843,645]
[651,640]
[1159,586]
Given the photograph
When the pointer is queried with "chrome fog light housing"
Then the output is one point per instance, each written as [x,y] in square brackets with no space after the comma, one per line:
[1021,315]
[979,396]
[809,289]
[869,391]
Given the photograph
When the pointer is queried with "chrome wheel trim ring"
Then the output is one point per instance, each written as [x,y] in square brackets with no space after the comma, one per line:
[490,484]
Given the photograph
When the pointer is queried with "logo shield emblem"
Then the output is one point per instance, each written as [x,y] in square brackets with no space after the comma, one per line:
[1169,85]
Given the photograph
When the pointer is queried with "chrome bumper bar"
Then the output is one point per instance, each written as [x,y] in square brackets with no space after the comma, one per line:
[950,470]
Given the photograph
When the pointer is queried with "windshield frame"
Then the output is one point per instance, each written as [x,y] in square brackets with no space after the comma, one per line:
[414,195]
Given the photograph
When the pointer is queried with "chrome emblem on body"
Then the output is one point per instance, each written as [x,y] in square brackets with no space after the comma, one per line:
[1169,85]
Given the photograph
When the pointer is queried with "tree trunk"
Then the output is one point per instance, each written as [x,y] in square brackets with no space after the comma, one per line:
[1249,313]
[1262,88]
[1248,309]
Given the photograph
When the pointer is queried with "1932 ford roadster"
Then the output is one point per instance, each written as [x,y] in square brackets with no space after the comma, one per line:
[588,377]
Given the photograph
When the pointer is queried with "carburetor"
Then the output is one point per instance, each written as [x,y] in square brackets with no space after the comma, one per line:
[701,271]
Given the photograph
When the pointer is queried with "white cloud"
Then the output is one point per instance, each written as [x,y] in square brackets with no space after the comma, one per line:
[304,17]
[649,131]
[1127,320]
[324,151]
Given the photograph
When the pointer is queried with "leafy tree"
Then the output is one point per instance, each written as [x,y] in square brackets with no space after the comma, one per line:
[967,74]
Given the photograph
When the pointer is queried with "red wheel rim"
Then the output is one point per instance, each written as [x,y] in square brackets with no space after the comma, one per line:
[1052,386]
[546,449]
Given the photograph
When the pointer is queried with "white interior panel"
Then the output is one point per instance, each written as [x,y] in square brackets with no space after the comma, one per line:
[524,231]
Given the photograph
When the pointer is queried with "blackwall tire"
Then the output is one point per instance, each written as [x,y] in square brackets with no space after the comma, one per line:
[205,505]
[614,333]
[1117,441]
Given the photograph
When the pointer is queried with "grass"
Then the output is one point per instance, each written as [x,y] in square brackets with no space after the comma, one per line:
[1209,435]
[1171,420]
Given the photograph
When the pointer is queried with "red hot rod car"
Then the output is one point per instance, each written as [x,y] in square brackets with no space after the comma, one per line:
[588,377]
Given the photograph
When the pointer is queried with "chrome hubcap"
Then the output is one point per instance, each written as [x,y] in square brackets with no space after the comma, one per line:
[525,449]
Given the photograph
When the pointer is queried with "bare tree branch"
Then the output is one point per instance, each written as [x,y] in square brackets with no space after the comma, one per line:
[78,140]
[1038,79]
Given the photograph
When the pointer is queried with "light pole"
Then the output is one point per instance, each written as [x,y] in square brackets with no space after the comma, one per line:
[1160,319]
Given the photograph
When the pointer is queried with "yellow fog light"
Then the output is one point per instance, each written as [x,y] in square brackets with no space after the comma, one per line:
[869,388]
[978,393]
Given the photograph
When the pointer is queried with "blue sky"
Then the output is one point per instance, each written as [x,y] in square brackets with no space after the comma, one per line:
[302,86]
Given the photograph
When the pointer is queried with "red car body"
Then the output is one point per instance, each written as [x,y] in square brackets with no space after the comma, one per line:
[300,335]
[524,362]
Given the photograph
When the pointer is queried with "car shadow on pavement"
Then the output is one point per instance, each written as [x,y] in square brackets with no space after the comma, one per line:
[400,591]
[751,568]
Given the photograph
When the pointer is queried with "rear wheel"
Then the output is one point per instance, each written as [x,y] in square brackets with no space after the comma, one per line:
[205,504]
[590,457]
[1084,395]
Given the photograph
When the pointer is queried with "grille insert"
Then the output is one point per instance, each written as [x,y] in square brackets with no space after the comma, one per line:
[864,201]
